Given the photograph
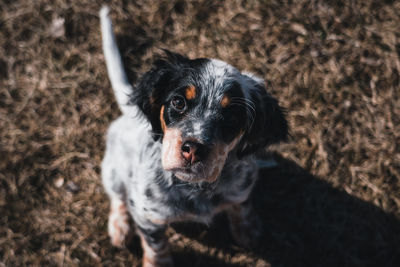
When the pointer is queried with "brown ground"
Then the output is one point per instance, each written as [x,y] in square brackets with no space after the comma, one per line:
[335,65]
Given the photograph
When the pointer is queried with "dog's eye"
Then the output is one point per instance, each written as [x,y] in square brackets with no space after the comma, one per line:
[178,103]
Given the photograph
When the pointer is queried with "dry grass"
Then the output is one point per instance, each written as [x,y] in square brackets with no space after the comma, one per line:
[335,65]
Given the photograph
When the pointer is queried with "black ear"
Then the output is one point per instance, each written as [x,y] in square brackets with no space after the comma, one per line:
[267,125]
[154,86]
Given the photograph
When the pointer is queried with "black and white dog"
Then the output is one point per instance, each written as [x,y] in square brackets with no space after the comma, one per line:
[183,148]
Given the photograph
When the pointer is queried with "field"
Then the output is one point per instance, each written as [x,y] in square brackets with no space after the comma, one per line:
[334,199]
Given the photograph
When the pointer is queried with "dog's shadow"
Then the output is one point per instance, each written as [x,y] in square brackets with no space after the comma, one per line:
[306,222]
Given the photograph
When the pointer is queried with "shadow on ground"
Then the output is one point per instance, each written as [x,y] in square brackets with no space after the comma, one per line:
[308,223]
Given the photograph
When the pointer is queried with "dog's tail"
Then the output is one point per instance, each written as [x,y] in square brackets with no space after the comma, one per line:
[119,82]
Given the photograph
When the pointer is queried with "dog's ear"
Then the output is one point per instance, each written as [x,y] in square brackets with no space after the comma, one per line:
[267,122]
[153,87]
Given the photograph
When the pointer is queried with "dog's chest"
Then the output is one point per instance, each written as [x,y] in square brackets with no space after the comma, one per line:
[162,204]
[162,199]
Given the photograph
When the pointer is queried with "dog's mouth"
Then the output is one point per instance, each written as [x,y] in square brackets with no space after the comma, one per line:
[186,174]
[193,173]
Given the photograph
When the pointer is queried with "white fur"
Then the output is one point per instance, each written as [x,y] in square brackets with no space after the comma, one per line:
[120,84]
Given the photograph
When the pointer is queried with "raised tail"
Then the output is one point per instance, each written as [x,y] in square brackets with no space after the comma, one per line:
[119,82]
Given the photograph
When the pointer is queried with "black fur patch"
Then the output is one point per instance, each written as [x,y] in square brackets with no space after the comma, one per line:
[149,192]
[153,236]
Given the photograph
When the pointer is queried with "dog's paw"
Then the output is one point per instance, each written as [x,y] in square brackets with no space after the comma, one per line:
[118,223]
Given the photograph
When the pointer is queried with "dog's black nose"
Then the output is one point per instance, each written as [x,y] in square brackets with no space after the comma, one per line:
[193,152]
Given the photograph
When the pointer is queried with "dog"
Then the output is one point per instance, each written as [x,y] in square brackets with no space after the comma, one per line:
[183,148]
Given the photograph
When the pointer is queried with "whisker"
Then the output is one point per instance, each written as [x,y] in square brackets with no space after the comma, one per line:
[158,134]
[247,106]
[244,100]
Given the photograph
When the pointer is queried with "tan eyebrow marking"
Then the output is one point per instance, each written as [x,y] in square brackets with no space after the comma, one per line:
[226,100]
[163,126]
[190,92]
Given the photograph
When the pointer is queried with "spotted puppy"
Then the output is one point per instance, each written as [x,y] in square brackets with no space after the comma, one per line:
[183,148]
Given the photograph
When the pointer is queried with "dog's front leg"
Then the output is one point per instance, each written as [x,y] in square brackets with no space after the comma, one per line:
[155,246]
[245,225]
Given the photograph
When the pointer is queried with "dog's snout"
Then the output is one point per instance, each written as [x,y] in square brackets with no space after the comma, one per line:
[189,149]
[193,151]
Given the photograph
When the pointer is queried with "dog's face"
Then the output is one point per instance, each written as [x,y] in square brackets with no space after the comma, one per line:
[202,121]
[203,109]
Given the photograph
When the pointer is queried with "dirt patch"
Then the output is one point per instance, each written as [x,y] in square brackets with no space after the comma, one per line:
[334,65]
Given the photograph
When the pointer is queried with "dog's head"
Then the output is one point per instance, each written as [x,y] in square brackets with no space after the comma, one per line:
[202,110]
